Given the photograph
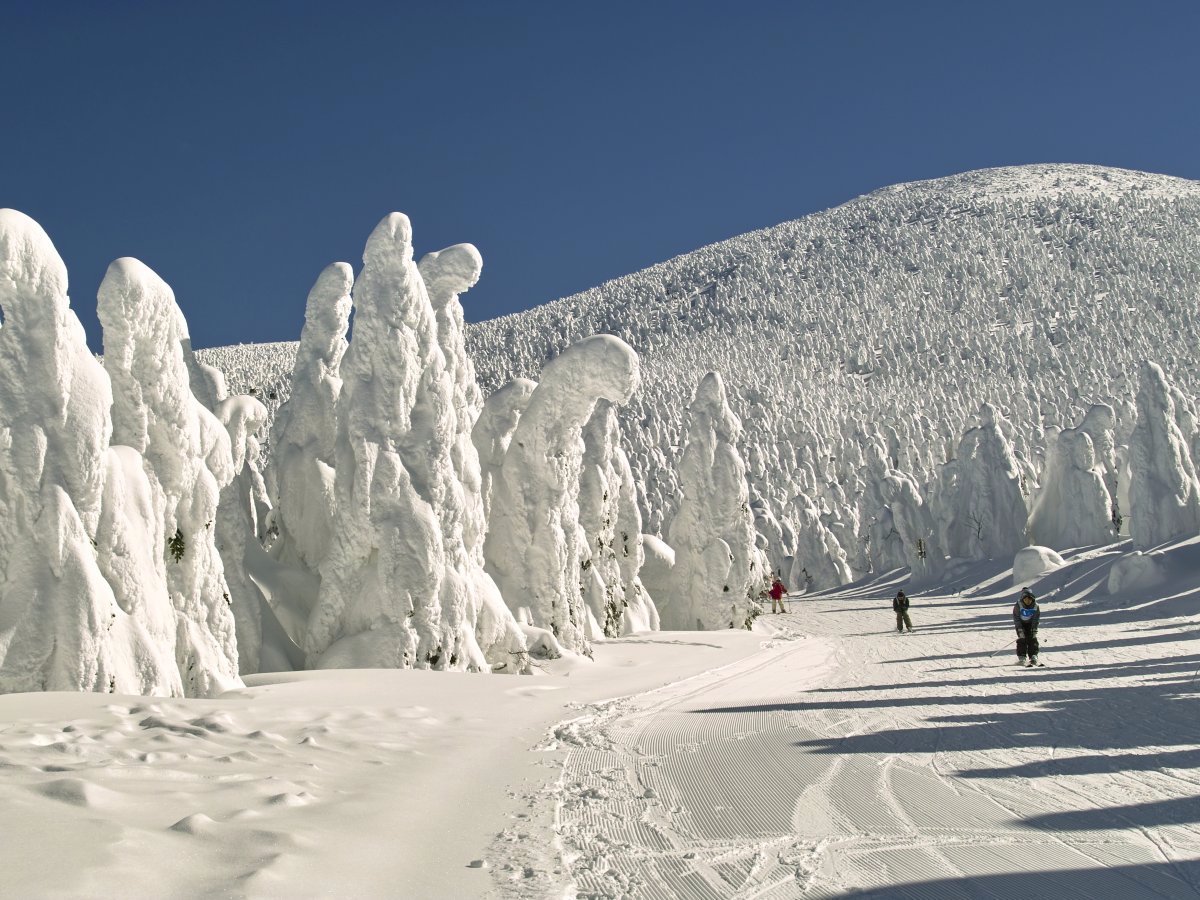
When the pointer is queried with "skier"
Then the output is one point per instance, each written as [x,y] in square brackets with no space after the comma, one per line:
[776,593]
[900,605]
[1026,613]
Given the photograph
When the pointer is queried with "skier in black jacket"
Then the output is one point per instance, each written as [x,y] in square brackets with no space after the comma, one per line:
[1026,613]
[900,605]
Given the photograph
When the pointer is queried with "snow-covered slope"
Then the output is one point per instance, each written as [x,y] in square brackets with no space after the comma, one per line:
[1037,288]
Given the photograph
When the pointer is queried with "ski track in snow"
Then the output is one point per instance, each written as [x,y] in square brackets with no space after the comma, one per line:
[860,762]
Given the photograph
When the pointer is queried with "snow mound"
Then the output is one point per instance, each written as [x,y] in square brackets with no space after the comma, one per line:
[1135,572]
[1032,563]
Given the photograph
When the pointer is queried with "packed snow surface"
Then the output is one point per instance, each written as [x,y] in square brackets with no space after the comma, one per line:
[821,755]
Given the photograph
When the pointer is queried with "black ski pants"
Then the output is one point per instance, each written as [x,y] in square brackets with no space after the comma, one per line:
[902,619]
[1027,642]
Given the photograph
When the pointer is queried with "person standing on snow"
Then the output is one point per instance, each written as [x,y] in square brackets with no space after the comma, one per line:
[900,605]
[776,593]
[1026,614]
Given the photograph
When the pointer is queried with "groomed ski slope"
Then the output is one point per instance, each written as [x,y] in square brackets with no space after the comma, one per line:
[860,762]
[822,755]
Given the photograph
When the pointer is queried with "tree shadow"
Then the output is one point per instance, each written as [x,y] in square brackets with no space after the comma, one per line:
[1112,724]
[1154,814]
[1151,881]
[1184,664]
[1046,634]
[1095,765]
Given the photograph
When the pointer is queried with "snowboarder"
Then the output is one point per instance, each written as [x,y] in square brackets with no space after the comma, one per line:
[1026,613]
[776,594]
[900,605]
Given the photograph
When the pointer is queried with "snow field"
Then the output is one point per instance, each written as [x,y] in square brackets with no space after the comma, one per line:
[860,762]
[313,784]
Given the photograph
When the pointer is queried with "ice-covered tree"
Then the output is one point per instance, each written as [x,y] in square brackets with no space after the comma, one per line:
[305,429]
[1073,508]
[242,506]
[716,560]
[493,432]
[1100,425]
[818,561]
[1164,495]
[904,514]
[399,587]
[187,457]
[83,604]
[612,524]
[985,513]
[448,274]
[534,543]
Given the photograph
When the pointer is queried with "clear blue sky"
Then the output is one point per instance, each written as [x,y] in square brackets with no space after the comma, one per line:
[238,148]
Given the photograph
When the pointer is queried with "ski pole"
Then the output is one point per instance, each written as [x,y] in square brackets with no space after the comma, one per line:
[1005,647]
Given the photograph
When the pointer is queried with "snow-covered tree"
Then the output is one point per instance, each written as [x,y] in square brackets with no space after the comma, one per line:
[1099,424]
[399,586]
[304,433]
[612,524]
[986,514]
[905,520]
[243,506]
[1073,508]
[535,544]
[83,603]
[717,565]
[187,457]
[447,274]
[1164,495]
[818,561]
[493,432]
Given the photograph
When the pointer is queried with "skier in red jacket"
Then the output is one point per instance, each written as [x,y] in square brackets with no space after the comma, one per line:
[776,593]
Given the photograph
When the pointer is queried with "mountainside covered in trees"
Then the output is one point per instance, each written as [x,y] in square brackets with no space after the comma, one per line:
[994,366]
[1037,289]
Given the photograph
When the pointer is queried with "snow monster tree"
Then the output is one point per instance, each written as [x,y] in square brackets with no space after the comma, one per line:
[83,601]
[304,434]
[985,512]
[1164,494]
[396,585]
[535,545]
[187,458]
[717,567]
